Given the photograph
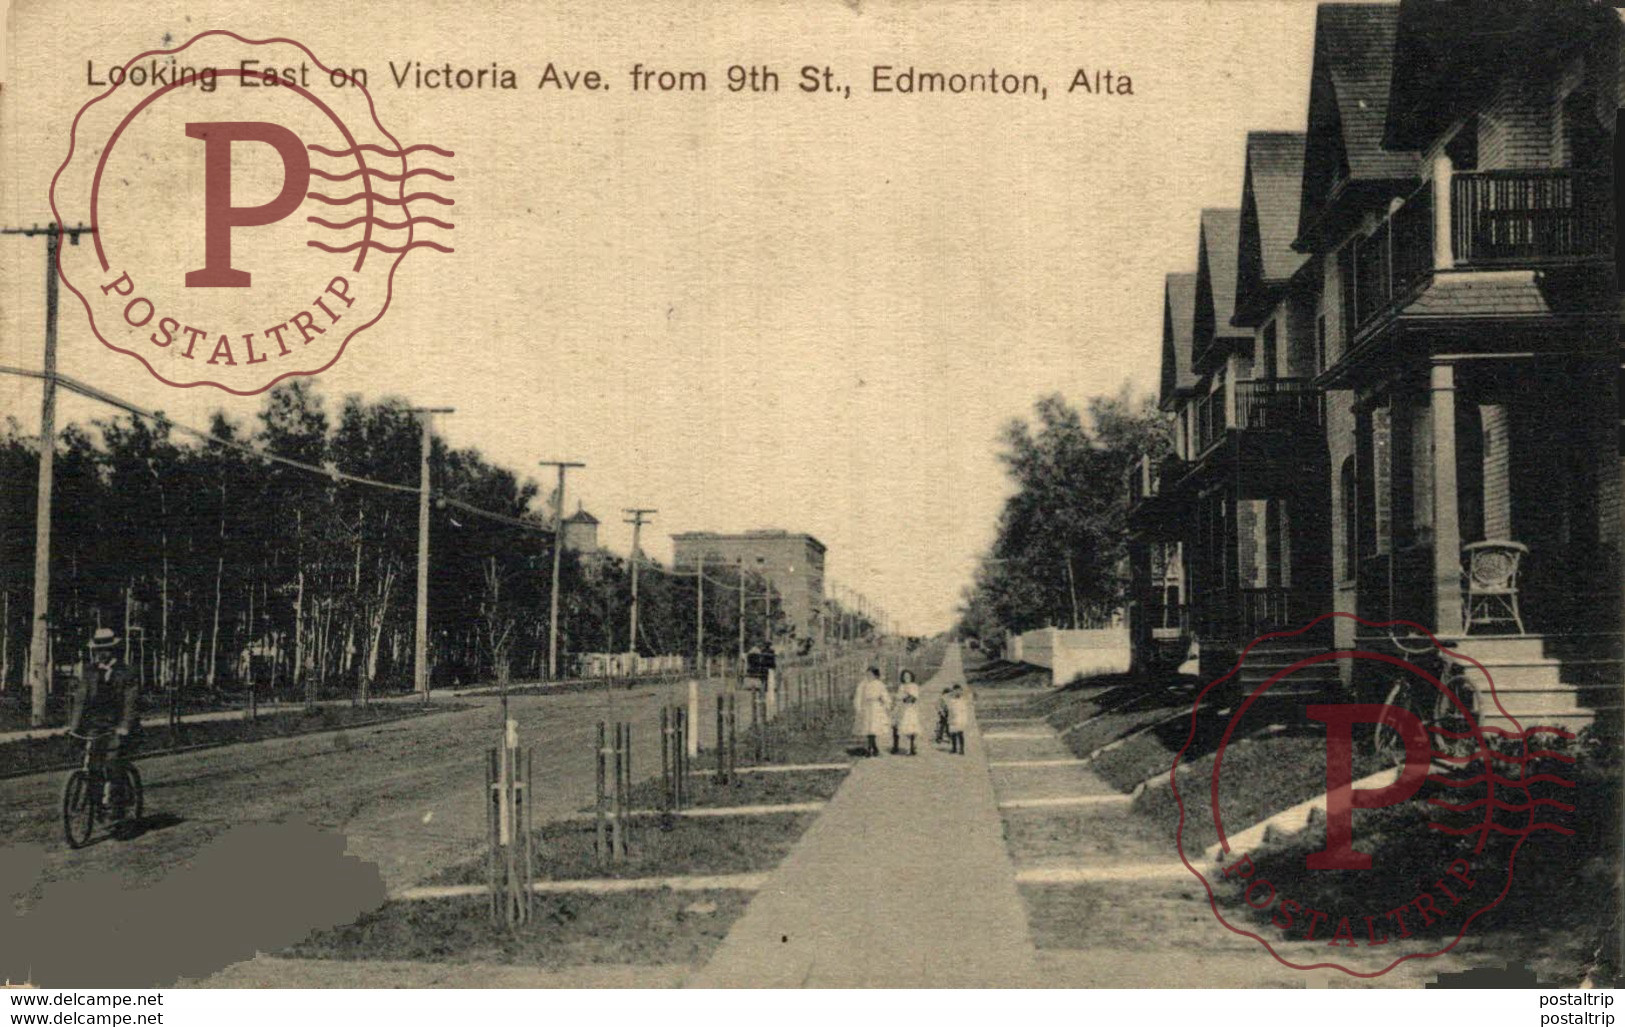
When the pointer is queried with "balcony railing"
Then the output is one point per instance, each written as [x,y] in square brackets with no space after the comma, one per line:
[1392,260]
[1278,404]
[1265,609]
[1530,217]
[1151,476]
[1168,471]
[1498,219]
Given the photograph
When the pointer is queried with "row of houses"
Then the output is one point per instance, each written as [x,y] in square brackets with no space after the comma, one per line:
[1393,369]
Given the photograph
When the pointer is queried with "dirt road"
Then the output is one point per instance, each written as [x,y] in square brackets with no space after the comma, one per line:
[405,796]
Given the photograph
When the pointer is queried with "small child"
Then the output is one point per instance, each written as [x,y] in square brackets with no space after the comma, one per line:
[958,719]
[942,715]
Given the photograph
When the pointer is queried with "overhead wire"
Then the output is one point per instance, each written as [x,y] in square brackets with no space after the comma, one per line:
[329,471]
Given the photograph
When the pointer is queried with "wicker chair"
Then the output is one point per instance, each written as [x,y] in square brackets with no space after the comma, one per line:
[1490,583]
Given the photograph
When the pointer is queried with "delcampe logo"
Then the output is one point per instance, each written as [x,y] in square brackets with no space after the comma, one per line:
[250,210]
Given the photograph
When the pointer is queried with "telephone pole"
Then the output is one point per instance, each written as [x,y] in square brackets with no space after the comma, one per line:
[699,612]
[39,662]
[420,648]
[741,616]
[558,553]
[637,522]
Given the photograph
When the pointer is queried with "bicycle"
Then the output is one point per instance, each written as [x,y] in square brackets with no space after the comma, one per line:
[87,794]
[1424,701]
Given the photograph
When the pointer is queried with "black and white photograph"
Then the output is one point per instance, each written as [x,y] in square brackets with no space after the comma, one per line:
[922,497]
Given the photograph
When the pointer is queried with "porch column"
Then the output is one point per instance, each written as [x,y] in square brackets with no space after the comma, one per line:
[1444,257]
[1446,520]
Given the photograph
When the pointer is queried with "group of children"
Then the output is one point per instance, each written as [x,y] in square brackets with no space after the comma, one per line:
[875,709]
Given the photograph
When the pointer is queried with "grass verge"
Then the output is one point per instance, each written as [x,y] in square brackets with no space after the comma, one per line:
[60,752]
[642,929]
[1260,777]
[658,847]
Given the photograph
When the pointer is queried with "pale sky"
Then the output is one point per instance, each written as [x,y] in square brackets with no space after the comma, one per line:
[792,311]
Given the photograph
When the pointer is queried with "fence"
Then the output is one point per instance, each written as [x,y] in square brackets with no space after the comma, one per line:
[1070,655]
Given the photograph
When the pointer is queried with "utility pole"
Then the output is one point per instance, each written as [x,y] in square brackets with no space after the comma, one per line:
[637,523]
[558,554]
[741,616]
[420,645]
[39,661]
[699,612]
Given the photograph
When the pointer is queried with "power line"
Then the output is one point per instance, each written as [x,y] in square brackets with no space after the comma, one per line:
[330,472]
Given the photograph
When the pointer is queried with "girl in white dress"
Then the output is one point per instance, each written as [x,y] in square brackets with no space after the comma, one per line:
[908,710]
[871,711]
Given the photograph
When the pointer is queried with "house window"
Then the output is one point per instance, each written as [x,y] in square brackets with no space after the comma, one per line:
[1266,358]
[1345,284]
[1351,518]
[1463,147]
[1320,343]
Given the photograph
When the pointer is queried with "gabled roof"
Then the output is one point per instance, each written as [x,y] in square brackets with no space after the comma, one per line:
[581,517]
[1348,105]
[1269,215]
[1449,56]
[1215,304]
[1178,318]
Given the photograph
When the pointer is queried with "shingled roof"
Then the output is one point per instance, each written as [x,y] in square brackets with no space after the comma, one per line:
[1215,280]
[1348,105]
[1269,215]
[1178,318]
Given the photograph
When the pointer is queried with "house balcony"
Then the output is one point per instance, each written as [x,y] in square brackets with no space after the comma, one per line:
[1235,617]
[1154,504]
[1274,429]
[1278,404]
[1498,220]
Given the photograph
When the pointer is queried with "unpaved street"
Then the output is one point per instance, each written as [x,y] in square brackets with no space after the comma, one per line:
[406,795]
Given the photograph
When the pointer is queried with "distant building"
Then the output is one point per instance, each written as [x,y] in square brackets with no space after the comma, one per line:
[792,562]
[581,532]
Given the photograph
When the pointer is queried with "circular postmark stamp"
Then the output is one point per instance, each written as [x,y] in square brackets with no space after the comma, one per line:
[247,211]
[1447,785]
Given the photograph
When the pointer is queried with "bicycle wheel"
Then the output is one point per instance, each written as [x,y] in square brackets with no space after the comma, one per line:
[78,809]
[134,799]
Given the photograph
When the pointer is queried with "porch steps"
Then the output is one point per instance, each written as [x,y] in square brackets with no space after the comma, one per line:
[1269,658]
[1562,681]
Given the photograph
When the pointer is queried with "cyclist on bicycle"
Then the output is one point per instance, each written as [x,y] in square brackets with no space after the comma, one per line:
[107,699]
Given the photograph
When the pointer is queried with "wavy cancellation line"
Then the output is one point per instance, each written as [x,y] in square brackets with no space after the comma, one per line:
[379,198]
[1505,782]
[1493,803]
[380,150]
[385,175]
[381,223]
[1488,826]
[359,244]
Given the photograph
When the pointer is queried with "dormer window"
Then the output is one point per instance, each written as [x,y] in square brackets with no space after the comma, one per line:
[1462,149]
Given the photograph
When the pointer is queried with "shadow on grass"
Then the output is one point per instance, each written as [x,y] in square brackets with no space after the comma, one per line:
[1560,912]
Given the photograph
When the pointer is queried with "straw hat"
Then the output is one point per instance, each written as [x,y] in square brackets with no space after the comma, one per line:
[104,638]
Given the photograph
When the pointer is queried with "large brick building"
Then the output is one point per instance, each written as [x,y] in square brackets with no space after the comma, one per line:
[792,562]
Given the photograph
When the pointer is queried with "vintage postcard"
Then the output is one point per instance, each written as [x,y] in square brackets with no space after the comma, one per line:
[1117,494]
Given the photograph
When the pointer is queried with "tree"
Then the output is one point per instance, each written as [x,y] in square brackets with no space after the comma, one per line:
[1061,535]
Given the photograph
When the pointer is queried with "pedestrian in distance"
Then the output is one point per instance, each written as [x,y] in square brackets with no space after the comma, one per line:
[959,714]
[908,711]
[871,711]
[942,715]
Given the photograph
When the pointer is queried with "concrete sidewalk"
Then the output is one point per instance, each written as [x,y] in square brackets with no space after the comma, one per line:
[904,882]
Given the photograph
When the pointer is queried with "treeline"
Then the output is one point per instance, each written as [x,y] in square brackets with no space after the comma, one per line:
[221,566]
[1058,558]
